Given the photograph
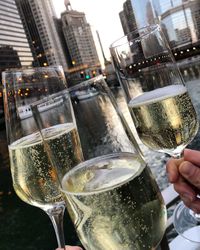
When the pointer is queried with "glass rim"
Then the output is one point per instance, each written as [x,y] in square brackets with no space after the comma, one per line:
[147,30]
[61,93]
[98,159]
[85,83]
[26,69]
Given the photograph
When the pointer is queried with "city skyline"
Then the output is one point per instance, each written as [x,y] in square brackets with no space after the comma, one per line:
[42,33]
[104,18]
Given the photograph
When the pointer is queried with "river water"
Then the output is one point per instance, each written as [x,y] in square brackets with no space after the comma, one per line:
[26,227]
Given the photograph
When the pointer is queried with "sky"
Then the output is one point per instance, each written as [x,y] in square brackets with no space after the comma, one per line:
[102,15]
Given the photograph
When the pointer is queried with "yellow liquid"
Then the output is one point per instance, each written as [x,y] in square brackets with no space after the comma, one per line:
[165,118]
[35,179]
[115,204]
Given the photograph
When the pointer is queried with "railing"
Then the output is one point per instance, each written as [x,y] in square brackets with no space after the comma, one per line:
[170,197]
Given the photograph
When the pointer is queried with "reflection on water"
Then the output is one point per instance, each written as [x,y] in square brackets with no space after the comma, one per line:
[99,127]
[29,125]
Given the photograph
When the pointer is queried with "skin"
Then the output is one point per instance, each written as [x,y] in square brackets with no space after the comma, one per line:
[184,174]
[70,248]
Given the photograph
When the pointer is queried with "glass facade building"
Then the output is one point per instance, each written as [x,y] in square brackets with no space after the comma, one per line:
[39,20]
[180,20]
[14,47]
[144,12]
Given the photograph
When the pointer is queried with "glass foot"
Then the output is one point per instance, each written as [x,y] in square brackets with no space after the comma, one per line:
[186,223]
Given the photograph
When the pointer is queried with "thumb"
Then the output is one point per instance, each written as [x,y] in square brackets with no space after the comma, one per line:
[193,156]
[191,173]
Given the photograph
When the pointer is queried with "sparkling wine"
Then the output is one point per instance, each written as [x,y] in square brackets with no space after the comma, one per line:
[115,203]
[35,179]
[165,118]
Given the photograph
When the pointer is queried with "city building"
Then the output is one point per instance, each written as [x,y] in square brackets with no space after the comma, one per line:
[144,12]
[39,20]
[180,20]
[129,24]
[14,47]
[79,39]
[58,23]
[127,17]
[8,58]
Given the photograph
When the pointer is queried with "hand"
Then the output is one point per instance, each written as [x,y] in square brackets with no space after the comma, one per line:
[184,173]
[70,248]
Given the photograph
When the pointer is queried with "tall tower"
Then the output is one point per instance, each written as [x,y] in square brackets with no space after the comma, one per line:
[39,20]
[80,42]
[14,47]
[127,17]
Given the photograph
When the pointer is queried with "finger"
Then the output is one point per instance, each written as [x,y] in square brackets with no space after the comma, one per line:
[192,156]
[70,248]
[191,173]
[172,169]
[185,190]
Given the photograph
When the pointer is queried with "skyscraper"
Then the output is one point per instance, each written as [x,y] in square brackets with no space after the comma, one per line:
[39,21]
[14,47]
[144,12]
[80,42]
[180,20]
[127,17]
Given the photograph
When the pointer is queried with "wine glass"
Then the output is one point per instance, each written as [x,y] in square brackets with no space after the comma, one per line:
[112,197]
[158,100]
[34,176]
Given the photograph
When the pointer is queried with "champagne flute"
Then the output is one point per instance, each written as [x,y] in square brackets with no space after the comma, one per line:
[112,197]
[158,100]
[34,176]
[156,95]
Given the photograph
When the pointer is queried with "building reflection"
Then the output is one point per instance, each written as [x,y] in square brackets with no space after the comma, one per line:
[180,21]
[144,63]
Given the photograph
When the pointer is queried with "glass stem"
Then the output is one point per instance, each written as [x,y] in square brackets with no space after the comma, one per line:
[56,215]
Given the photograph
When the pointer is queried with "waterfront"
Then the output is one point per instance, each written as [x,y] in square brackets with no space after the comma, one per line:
[26,227]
